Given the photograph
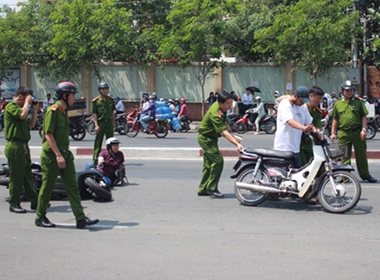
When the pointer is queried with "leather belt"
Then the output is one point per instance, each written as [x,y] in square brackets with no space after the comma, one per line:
[106,120]
[15,140]
[351,130]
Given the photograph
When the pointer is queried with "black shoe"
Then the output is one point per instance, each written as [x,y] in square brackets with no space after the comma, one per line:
[17,209]
[33,206]
[43,222]
[203,194]
[371,179]
[215,194]
[86,222]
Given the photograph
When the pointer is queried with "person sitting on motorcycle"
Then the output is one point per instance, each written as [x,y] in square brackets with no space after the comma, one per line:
[119,106]
[260,110]
[149,113]
[183,111]
[111,163]
[177,107]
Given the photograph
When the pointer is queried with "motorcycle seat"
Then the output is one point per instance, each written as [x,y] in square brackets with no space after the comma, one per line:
[266,152]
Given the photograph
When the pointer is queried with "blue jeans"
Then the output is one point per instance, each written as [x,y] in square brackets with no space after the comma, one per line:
[145,119]
[297,162]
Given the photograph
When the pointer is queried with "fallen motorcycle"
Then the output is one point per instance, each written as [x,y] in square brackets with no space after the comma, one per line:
[90,183]
[267,173]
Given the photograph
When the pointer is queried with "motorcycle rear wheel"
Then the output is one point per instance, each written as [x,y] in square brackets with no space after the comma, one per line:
[349,191]
[247,197]
[78,132]
[161,130]
[100,192]
[185,126]
[270,127]
[241,128]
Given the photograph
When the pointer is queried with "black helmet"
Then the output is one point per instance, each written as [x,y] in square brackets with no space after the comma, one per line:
[347,85]
[65,87]
[102,85]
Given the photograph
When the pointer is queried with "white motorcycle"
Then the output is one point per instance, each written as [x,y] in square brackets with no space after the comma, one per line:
[263,173]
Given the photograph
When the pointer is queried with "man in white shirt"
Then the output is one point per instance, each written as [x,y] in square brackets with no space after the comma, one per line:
[293,118]
[119,105]
[47,101]
[246,99]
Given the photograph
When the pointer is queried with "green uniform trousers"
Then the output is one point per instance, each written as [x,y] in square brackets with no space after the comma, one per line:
[212,164]
[50,171]
[346,140]
[306,150]
[106,128]
[20,173]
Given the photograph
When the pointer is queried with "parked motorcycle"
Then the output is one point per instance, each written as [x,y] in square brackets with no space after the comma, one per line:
[120,122]
[156,127]
[90,183]
[261,173]
[77,128]
[247,123]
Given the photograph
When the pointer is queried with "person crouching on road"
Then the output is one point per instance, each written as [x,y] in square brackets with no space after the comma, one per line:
[17,134]
[57,159]
[110,163]
[213,126]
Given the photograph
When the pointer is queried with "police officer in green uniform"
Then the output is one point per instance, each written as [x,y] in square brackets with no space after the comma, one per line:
[57,159]
[17,133]
[103,108]
[212,127]
[350,117]
[306,150]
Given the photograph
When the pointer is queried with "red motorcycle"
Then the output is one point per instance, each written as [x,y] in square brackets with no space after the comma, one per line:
[156,127]
[247,123]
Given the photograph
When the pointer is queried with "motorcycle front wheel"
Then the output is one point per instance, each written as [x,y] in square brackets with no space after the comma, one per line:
[247,197]
[99,191]
[241,128]
[371,131]
[347,195]
[90,126]
[185,126]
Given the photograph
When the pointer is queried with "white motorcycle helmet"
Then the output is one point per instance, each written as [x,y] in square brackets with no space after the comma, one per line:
[258,98]
[111,141]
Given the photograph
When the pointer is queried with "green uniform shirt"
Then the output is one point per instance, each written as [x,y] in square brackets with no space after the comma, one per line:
[349,114]
[103,108]
[213,122]
[56,121]
[15,127]
[316,114]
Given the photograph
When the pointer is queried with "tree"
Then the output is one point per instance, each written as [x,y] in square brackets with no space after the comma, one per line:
[193,34]
[241,27]
[312,34]
[13,39]
[370,22]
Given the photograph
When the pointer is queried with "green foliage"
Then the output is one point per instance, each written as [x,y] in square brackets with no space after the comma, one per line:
[312,34]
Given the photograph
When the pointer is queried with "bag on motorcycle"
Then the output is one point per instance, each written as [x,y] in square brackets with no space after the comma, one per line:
[176,123]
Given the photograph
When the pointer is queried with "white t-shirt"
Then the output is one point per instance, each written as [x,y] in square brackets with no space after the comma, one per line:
[247,98]
[288,138]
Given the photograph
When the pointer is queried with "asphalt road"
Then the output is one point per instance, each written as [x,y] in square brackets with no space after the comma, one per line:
[158,228]
[178,140]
